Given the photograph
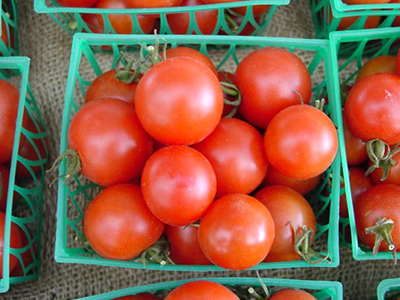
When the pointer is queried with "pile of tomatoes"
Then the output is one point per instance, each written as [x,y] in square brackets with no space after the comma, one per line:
[178,23]
[170,164]
[372,130]
[198,290]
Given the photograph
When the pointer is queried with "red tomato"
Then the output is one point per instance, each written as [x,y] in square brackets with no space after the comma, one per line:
[93,22]
[108,86]
[184,246]
[292,294]
[194,54]
[143,296]
[15,243]
[258,10]
[303,187]
[398,62]
[4,33]
[5,177]
[27,258]
[228,78]
[112,145]
[78,3]
[379,64]
[191,104]
[286,207]
[153,3]
[239,225]
[301,142]
[206,20]
[356,149]
[9,102]
[269,80]
[235,150]
[28,151]
[346,22]
[122,23]
[396,21]
[394,172]
[178,184]
[380,201]
[372,108]
[358,184]
[118,225]
[200,290]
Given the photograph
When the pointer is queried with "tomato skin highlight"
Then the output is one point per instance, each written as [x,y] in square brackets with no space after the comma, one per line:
[372,108]
[178,185]
[301,142]
[200,290]
[15,243]
[191,105]
[286,207]
[184,246]
[238,225]
[118,225]
[268,80]
[292,294]
[235,150]
[112,145]
[381,200]
[108,86]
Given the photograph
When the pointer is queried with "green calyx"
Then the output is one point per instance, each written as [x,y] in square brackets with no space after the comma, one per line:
[158,252]
[231,90]
[381,156]
[73,166]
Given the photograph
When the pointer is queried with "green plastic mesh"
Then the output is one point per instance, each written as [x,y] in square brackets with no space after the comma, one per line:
[86,65]
[71,18]
[321,290]
[9,17]
[389,289]
[327,14]
[24,203]
[366,45]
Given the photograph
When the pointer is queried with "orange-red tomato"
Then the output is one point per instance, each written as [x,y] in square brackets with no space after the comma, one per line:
[370,22]
[379,64]
[200,290]
[292,294]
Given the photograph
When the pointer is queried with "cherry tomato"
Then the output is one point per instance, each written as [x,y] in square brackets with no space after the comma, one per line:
[15,243]
[292,294]
[118,225]
[380,201]
[121,23]
[346,22]
[184,246]
[301,142]
[379,64]
[286,207]
[269,80]
[238,225]
[356,149]
[4,33]
[200,290]
[93,22]
[154,3]
[143,296]
[9,102]
[178,184]
[206,20]
[372,108]
[112,145]
[194,54]
[108,86]
[5,177]
[26,256]
[394,173]
[191,104]
[235,150]
[351,2]
[398,62]
[303,187]
[358,184]
[78,3]
[258,10]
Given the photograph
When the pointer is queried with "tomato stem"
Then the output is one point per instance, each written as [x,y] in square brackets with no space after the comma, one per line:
[381,156]
[231,90]
[263,286]
[73,165]
[126,74]
[300,97]
[158,252]
[383,232]
[232,24]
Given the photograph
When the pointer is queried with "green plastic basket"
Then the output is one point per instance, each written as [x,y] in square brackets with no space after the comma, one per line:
[321,290]
[389,289]
[368,43]
[25,207]
[325,22]
[85,65]
[71,18]
[9,15]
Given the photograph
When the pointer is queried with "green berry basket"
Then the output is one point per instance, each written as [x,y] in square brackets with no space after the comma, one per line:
[327,15]
[71,18]
[85,65]
[368,44]
[8,28]
[389,289]
[25,197]
[321,290]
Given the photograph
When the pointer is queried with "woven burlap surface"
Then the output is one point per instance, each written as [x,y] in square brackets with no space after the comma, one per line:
[49,46]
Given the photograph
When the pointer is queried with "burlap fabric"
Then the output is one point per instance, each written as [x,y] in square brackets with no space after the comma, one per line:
[49,48]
